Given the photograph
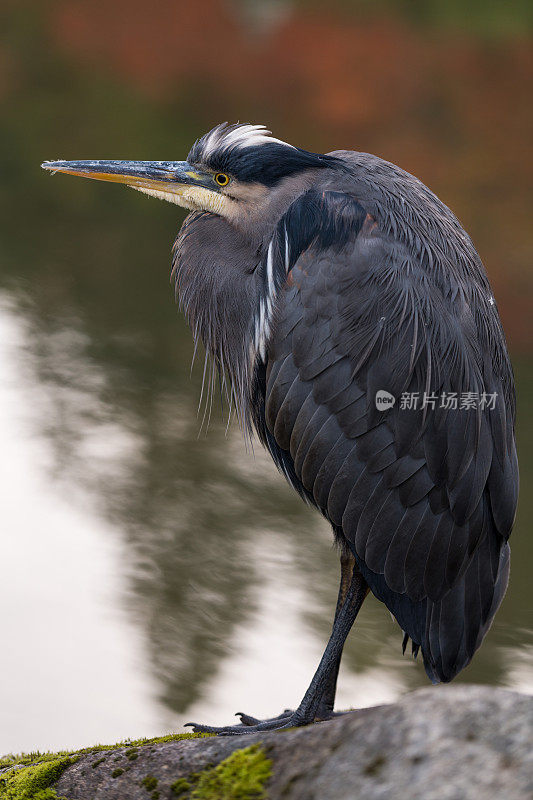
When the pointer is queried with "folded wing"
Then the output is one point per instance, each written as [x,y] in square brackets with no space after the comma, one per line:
[424,492]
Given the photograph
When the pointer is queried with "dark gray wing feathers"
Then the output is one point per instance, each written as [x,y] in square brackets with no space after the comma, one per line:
[424,498]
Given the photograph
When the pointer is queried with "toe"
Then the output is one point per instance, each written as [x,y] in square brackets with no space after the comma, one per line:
[224,730]
[246,719]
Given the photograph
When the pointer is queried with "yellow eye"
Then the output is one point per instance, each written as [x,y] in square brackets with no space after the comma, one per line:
[221,179]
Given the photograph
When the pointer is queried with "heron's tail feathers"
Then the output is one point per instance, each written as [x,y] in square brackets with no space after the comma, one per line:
[457,624]
[449,632]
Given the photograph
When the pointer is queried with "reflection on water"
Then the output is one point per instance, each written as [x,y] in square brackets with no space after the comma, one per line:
[152,577]
[149,575]
[68,647]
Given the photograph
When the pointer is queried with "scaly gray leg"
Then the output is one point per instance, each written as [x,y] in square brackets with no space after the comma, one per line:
[327,701]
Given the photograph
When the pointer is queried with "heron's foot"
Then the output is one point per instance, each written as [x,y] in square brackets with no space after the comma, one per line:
[248,724]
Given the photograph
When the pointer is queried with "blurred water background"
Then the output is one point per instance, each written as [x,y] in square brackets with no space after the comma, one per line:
[150,575]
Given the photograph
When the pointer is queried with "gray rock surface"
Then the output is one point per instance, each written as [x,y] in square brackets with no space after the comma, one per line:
[441,743]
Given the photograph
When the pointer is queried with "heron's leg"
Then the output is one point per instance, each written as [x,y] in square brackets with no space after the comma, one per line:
[325,678]
[306,711]
[327,701]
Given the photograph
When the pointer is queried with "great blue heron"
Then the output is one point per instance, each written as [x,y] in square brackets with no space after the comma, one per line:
[355,329]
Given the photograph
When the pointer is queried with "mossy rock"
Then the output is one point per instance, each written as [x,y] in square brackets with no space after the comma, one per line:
[33,782]
[37,757]
[30,776]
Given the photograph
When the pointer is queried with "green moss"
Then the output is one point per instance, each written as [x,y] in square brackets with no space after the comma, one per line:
[117,772]
[180,787]
[171,737]
[149,782]
[33,783]
[241,776]
[97,763]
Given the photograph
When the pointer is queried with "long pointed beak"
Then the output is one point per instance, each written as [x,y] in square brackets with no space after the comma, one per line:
[165,177]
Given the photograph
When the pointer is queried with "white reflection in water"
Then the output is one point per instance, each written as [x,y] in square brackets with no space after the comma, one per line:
[73,670]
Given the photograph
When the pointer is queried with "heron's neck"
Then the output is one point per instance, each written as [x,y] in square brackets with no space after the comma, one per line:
[215,272]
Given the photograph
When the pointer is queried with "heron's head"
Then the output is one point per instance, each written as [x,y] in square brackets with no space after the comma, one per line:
[234,171]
